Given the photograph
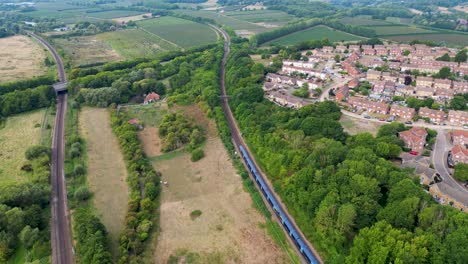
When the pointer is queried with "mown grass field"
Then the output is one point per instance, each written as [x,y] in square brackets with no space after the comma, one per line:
[135,43]
[17,134]
[184,33]
[106,170]
[315,33]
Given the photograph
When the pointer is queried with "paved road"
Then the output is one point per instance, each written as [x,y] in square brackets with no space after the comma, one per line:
[337,82]
[61,239]
[238,140]
[449,185]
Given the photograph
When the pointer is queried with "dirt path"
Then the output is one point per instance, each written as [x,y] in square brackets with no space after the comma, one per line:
[228,229]
[106,170]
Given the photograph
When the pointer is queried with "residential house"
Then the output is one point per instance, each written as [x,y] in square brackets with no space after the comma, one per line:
[340,49]
[458,118]
[387,76]
[373,75]
[443,94]
[423,92]
[354,83]
[415,138]
[435,116]
[460,87]
[402,112]
[460,137]
[370,106]
[443,83]
[302,64]
[459,154]
[404,90]
[342,93]
[151,97]
[424,81]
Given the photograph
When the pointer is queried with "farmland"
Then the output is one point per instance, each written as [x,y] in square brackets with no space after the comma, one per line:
[106,170]
[182,32]
[316,33]
[134,43]
[20,58]
[113,14]
[444,38]
[236,24]
[363,21]
[17,134]
[262,17]
[197,202]
[399,30]
[87,50]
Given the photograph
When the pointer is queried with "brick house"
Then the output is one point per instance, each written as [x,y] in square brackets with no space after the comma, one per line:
[459,154]
[443,94]
[342,93]
[424,91]
[460,137]
[370,106]
[402,112]
[373,75]
[424,81]
[434,116]
[460,87]
[443,84]
[458,118]
[415,138]
[151,97]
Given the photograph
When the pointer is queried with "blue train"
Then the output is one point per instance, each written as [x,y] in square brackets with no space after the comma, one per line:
[303,248]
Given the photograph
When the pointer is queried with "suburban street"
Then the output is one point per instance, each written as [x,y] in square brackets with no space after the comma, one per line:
[448,185]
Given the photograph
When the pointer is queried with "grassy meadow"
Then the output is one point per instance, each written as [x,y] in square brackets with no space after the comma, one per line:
[17,134]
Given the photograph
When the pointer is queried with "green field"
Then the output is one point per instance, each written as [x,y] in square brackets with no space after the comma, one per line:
[363,21]
[135,43]
[262,16]
[232,22]
[113,14]
[315,33]
[399,30]
[183,33]
[447,39]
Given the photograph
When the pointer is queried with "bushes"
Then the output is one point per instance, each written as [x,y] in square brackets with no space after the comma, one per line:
[82,193]
[197,154]
[36,151]
[20,101]
[461,172]
[176,131]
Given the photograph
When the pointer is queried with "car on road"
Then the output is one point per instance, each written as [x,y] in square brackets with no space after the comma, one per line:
[408,123]
[414,153]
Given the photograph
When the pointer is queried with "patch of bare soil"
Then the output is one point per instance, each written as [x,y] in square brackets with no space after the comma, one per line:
[151,141]
[227,228]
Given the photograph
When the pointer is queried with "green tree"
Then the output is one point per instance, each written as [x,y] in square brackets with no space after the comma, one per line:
[29,236]
[444,72]
[461,56]
[444,57]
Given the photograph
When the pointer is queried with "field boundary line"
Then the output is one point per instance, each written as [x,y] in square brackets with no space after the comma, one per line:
[154,34]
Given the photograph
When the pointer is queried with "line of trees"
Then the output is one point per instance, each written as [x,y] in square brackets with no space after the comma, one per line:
[144,185]
[344,192]
[26,84]
[20,101]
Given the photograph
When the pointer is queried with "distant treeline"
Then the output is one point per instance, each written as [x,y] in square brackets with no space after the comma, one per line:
[25,84]
[20,101]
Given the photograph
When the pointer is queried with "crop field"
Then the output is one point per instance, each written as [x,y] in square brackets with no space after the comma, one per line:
[87,50]
[135,43]
[399,30]
[182,32]
[113,14]
[447,39]
[363,21]
[21,58]
[17,134]
[232,22]
[258,16]
[316,33]
[199,222]
[106,170]
[126,19]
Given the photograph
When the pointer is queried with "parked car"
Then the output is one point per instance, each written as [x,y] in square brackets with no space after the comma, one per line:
[408,123]
[413,153]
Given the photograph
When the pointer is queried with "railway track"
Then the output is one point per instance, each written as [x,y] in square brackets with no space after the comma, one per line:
[61,239]
[295,236]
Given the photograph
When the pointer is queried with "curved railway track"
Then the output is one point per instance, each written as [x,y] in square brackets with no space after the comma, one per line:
[61,239]
[295,236]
